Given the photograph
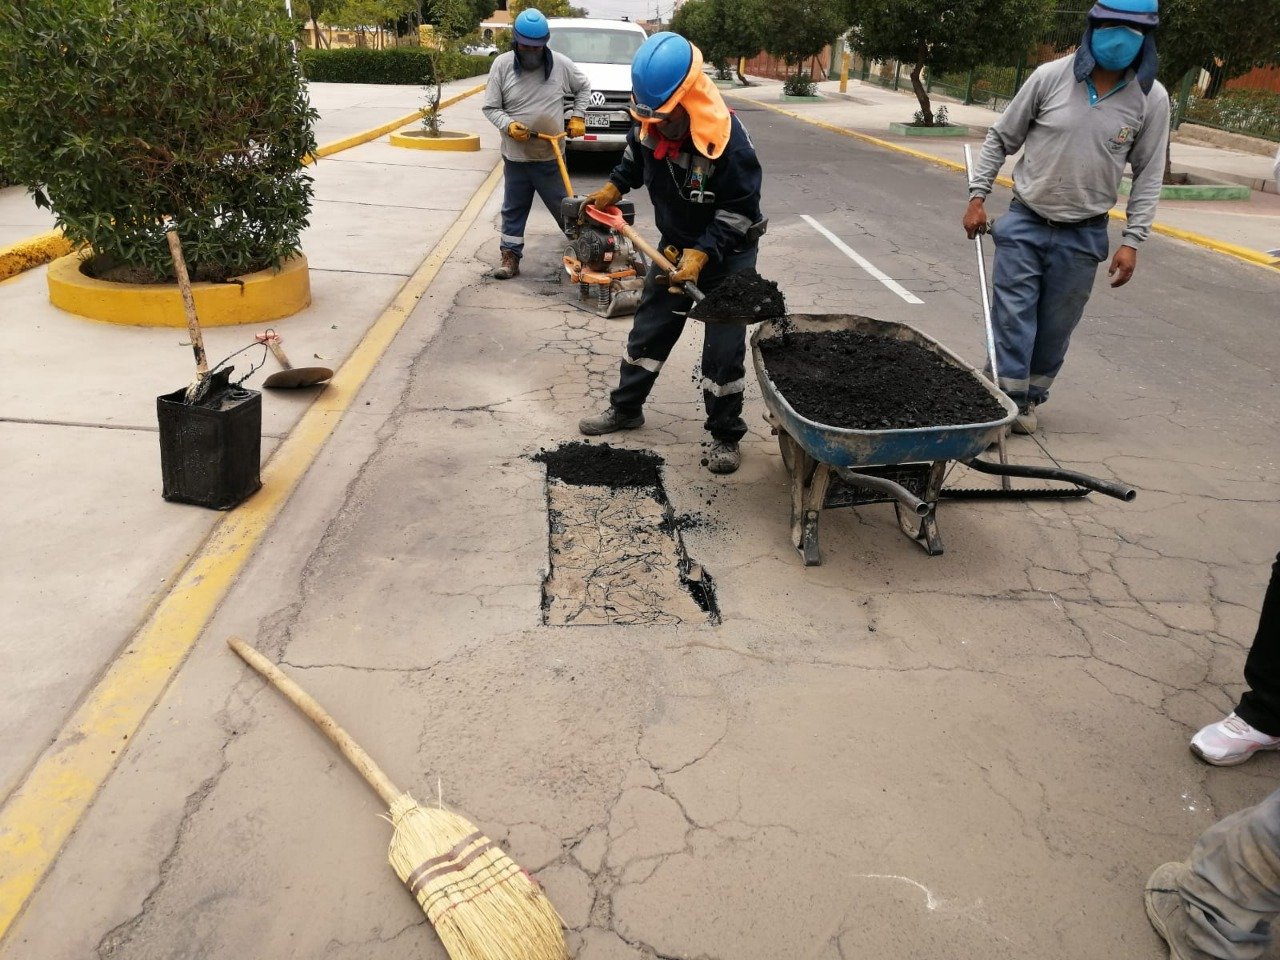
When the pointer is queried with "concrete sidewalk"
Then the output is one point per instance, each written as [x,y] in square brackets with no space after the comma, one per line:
[78,421]
[869,109]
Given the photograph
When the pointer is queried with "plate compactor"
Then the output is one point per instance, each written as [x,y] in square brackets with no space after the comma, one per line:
[606,267]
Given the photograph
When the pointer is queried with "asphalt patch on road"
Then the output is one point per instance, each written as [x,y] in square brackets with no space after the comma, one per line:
[614,542]
[860,382]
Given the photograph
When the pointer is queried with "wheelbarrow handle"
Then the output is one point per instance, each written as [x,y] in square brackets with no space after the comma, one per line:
[1108,487]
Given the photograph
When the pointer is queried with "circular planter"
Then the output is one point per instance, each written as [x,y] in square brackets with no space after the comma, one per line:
[911,130]
[791,98]
[447,140]
[253,298]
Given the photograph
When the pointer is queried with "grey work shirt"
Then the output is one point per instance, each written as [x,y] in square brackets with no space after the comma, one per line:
[1074,152]
[534,99]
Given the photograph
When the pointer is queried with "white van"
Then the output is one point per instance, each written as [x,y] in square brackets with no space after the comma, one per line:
[603,50]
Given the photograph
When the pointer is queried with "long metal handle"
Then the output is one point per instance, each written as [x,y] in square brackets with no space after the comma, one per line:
[986,317]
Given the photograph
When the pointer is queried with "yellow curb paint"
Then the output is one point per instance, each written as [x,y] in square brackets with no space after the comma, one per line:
[254,298]
[32,252]
[448,141]
[46,807]
[355,140]
[1255,257]
[38,250]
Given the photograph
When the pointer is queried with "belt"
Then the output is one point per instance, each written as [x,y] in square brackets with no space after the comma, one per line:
[1063,224]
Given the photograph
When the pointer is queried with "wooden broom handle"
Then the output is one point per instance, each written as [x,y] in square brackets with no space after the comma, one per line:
[188,302]
[316,714]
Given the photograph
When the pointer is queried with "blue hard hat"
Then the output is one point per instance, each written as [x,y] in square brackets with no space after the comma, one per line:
[659,67]
[1141,13]
[531,29]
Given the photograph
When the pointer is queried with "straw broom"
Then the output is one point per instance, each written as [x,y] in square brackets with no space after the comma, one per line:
[481,903]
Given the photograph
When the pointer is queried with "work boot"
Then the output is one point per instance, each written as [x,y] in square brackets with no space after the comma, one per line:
[1230,741]
[1026,423]
[510,266]
[723,457]
[1168,911]
[611,421]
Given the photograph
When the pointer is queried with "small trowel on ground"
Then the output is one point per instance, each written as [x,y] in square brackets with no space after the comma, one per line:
[291,376]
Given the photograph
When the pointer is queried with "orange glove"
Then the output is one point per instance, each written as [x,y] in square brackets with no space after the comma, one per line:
[517,131]
[577,127]
[605,197]
[690,266]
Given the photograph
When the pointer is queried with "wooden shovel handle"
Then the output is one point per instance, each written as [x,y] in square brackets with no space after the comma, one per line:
[317,715]
[654,254]
[188,302]
[274,345]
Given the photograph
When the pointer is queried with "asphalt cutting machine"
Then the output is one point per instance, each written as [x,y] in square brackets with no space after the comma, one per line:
[831,467]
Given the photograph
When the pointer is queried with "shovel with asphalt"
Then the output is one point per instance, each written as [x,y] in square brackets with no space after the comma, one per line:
[291,376]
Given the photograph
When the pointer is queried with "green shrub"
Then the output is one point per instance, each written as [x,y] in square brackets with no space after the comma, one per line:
[1252,112]
[130,112]
[799,85]
[407,65]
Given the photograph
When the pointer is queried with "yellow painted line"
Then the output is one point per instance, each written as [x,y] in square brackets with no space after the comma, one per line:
[32,252]
[46,247]
[337,146]
[1245,254]
[43,811]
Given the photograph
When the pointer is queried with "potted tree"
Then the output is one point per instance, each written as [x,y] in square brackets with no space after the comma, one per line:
[129,115]
[443,42]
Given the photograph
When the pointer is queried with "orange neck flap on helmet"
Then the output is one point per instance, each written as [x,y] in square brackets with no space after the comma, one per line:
[710,120]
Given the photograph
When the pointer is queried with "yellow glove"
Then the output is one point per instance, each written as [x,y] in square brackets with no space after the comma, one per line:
[577,127]
[517,131]
[690,266]
[605,197]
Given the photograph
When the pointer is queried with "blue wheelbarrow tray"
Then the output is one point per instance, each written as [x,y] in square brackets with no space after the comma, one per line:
[833,467]
[842,447]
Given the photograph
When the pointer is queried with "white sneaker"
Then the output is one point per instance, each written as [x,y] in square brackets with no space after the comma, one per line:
[1230,741]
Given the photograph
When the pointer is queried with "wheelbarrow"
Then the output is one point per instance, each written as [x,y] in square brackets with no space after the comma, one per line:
[831,467]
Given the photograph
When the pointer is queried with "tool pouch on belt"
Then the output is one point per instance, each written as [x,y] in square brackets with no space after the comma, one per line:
[757,230]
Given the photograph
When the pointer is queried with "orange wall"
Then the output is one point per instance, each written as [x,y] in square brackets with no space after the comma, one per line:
[1263,78]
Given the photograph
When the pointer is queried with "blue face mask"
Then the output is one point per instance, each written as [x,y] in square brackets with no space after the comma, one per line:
[1114,48]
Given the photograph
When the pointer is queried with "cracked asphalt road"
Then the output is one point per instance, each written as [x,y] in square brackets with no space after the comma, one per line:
[981,754]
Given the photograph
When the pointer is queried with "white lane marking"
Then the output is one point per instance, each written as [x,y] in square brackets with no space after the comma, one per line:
[862,261]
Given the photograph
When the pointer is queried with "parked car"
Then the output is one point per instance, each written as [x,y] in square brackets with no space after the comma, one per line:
[603,49]
[481,50]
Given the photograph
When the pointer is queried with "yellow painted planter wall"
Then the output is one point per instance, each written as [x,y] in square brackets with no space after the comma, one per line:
[265,295]
[448,140]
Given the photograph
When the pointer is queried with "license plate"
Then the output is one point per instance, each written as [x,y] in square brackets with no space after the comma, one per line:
[599,120]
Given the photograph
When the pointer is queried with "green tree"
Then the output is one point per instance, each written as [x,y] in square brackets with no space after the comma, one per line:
[1233,35]
[549,8]
[943,36]
[798,30]
[725,31]
[134,113]
[468,15]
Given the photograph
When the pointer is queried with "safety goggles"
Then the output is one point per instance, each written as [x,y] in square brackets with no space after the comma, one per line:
[642,112]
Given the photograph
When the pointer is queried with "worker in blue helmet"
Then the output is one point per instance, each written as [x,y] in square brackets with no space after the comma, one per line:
[1079,121]
[704,178]
[525,96]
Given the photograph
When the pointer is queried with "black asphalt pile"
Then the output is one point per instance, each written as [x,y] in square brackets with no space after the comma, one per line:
[600,465]
[745,297]
[858,382]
